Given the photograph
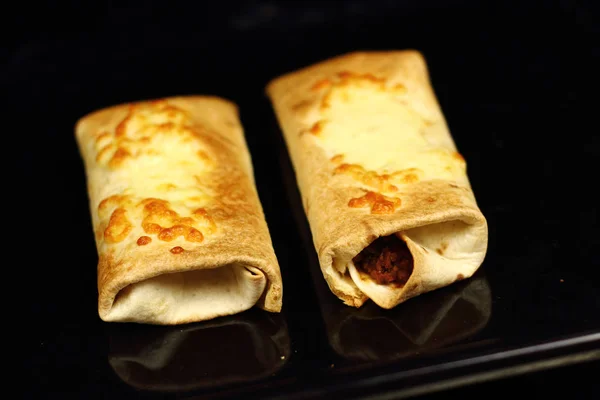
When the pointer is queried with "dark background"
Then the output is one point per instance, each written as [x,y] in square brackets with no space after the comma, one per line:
[517,82]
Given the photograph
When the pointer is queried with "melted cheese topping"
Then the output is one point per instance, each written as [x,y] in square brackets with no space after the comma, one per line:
[156,161]
[377,131]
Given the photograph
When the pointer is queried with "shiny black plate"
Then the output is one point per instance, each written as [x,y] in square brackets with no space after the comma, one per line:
[514,88]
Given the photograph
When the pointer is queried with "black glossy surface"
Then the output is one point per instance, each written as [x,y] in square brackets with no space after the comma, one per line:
[509,78]
[242,348]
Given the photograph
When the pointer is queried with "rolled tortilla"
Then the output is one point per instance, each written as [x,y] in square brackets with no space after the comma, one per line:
[179,227]
[378,171]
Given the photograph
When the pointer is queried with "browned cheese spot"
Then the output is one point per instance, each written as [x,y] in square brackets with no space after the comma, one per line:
[144,240]
[300,105]
[160,219]
[176,250]
[203,155]
[378,203]
[118,226]
[337,159]
[322,84]
[317,127]
[380,182]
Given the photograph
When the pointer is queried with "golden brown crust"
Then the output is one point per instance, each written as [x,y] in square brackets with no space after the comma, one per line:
[352,205]
[201,211]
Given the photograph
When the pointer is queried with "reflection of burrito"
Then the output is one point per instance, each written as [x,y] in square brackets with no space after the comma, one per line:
[439,318]
[386,194]
[233,349]
[180,231]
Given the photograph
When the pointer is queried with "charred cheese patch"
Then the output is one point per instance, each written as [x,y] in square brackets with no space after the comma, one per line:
[144,240]
[157,160]
[371,126]
[168,225]
[118,227]
[382,182]
[317,127]
[378,203]
[177,250]
[337,159]
[110,203]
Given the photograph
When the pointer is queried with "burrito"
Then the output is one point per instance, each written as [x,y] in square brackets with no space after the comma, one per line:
[385,191]
[179,228]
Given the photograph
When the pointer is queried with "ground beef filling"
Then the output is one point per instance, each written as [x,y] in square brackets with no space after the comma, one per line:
[387,260]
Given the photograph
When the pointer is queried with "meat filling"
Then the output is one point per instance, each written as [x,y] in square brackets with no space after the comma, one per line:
[387,260]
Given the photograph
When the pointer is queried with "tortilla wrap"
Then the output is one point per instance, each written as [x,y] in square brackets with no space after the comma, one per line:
[179,227]
[374,158]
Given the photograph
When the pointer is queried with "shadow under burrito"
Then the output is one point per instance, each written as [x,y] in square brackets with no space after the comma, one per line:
[229,350]
[429,321]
